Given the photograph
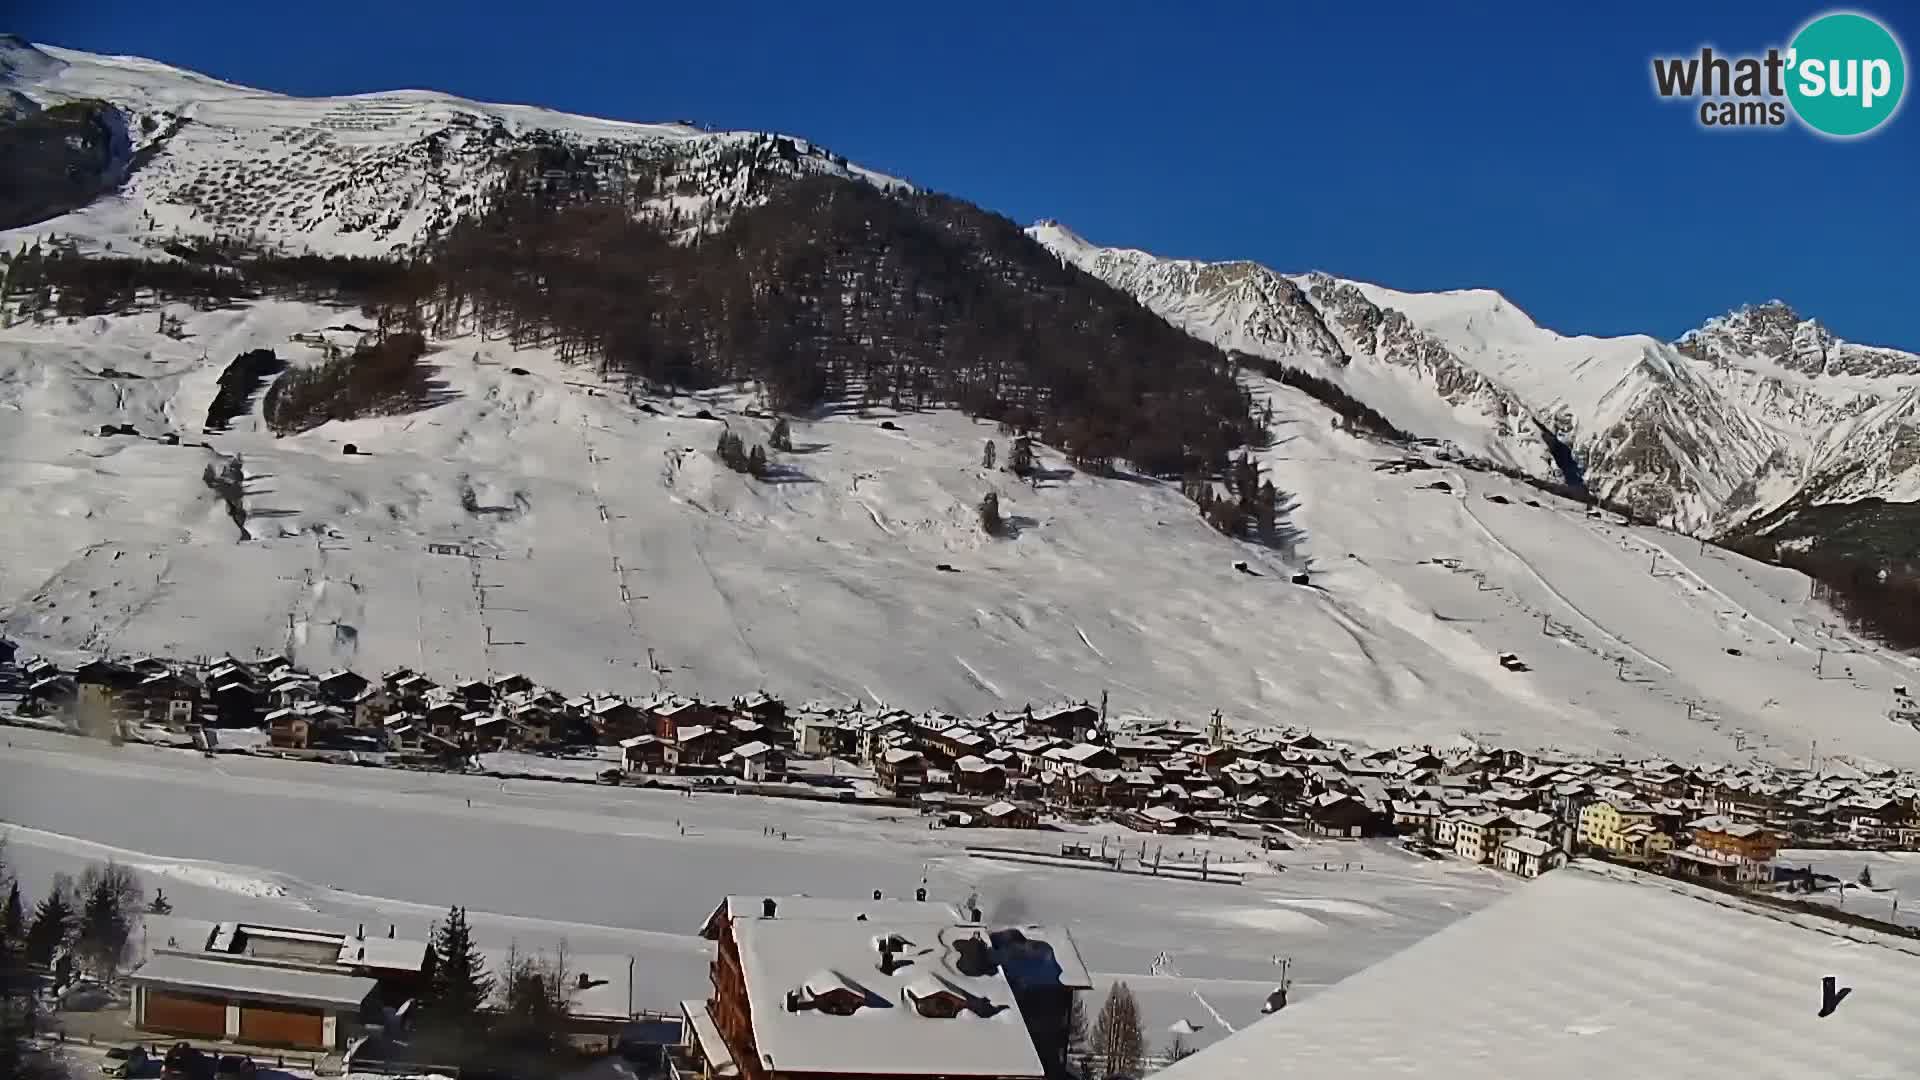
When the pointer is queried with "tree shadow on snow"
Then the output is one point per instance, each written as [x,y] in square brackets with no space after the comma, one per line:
[1012,525]
[785,474]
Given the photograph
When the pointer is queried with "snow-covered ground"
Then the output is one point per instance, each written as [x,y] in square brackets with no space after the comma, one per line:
[1592,973]
[610,870]
[606,549]
[1894,892]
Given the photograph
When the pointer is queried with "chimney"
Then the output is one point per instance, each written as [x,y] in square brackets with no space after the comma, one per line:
[920,894]
[392,928]
[585,981]
[973,913]
[793,1001]
[876,894]
[360,932]
[887,964]
[768,907]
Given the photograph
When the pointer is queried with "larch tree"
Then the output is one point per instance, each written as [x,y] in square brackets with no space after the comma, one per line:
[1118,1041]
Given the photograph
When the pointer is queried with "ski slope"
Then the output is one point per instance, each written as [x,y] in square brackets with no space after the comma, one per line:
[599,545]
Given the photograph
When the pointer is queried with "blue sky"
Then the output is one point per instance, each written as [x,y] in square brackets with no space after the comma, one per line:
[1520,148]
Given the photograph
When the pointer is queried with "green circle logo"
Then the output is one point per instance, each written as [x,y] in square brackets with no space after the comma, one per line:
[1846,74]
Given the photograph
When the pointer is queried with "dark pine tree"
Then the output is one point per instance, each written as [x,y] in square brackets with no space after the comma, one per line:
[757,462]
[460,984]
[53,922]
[782,437]
[987,455]
[13,918]
[990,520]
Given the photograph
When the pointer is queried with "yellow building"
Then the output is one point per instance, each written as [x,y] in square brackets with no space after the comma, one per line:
[1623,827]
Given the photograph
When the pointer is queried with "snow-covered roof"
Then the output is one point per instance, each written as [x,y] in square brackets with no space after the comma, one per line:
[886,1035]
[1527,845]
[1475,1000]
[282,984]
[751,750]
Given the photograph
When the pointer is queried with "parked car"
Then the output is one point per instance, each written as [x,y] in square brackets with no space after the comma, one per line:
[186,1063]
[236,1067]
[129,1062]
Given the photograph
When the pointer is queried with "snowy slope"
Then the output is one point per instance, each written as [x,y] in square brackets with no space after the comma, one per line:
[1597,973]
[608,549]
[1756,407]
[367,174]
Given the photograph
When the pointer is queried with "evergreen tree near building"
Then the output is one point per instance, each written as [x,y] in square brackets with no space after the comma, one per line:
[987,456]
[460,984]
[782,437]
[757,462]
[53,923]
[1118,1041]
[13,918]
[111,902]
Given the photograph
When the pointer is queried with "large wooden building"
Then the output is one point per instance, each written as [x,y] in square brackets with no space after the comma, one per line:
[808,987]
[257,1003]
[270,986]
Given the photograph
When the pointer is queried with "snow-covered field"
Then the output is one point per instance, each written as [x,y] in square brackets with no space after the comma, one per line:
[609,869]
[1894,892]
[608,550]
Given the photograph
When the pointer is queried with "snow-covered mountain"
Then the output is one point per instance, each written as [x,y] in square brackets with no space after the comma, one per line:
[540,518]
[367,174]
[1755,408]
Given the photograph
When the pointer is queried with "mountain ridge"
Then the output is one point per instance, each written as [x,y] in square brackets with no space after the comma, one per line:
[1731,421]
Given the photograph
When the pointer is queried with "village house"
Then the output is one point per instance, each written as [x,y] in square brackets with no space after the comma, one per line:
[1477,838]
[1528,856]
[695,747]
[289,729]
[901,771]
[978,776]
[168,698]
[1158,819]
[758,762]
[643,754]
[1336,814]
[1066,720]
[1415,817]
[1604,824]
[887,989]
[301,988]
[1721,849]
[1006,815]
